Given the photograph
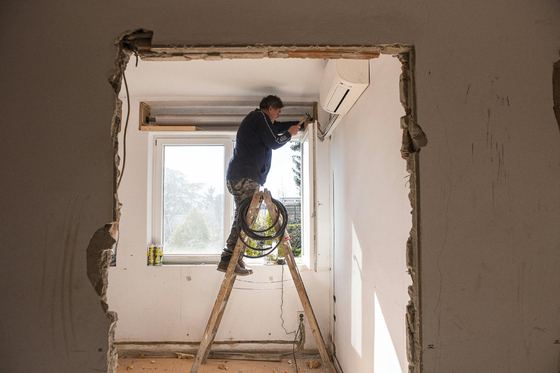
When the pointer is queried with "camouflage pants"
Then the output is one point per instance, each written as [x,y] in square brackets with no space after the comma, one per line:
[241,190]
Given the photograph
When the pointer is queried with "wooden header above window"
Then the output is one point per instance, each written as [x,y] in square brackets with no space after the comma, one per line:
[140,43]
[209,115]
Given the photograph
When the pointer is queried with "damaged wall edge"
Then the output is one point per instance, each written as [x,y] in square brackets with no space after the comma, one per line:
[139,43]
[413,139]
[98,258]
[556,90]
[98,252]
[98,255]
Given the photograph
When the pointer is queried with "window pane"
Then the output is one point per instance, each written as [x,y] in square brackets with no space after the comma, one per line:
[283,181]
[193,199]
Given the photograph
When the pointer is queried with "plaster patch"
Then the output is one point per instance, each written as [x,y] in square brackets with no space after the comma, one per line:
[98,259]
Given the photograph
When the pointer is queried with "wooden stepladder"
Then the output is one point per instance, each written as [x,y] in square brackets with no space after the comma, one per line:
[229,280]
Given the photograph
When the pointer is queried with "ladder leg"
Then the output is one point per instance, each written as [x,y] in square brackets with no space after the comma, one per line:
[221,313]
[298,282]
[224,293]
[213,322]
[217,324]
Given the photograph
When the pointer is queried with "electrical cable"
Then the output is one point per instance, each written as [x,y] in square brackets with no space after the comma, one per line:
[254,234]
[124,157]
[299,331]
[262,289]
[282,304]
[125,130]
[319,128]
[257,234]
[407,177]
[262,282]
[299,340]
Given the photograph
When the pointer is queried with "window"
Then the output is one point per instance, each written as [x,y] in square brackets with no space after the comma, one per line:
[191,209]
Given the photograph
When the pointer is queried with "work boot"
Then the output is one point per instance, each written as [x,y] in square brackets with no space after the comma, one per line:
[240,268]
[242,264]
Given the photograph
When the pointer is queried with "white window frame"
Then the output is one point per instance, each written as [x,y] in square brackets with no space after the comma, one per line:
[309,204]
[155,204]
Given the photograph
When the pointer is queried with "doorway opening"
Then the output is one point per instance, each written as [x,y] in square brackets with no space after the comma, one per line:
[138,44]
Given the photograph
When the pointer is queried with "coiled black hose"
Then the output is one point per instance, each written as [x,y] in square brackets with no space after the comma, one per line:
[258,235]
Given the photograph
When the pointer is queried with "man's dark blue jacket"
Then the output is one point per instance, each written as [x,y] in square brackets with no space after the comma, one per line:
[256,137]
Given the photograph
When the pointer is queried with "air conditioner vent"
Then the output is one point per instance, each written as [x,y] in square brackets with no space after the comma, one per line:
[343,83]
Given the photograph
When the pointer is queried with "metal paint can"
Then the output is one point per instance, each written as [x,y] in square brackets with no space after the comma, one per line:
[158,255]
[151,251]
[155,255]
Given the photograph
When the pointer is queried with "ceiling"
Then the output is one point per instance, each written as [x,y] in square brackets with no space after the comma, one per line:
[240,79]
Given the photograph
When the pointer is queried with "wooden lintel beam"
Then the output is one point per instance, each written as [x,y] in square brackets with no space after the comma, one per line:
[325,53]
[256,52]
[167,128]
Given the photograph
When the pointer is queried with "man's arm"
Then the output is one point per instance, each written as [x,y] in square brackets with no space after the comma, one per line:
[282,127]
[302,124]
[275,136]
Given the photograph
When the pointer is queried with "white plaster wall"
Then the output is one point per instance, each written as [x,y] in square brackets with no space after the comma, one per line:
[371,226]
[489,236]
[159,304]
[489,194]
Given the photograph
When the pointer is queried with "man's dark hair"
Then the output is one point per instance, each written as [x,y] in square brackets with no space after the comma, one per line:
[269,101]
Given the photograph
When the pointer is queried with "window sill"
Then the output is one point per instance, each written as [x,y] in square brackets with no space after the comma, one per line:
[214,262]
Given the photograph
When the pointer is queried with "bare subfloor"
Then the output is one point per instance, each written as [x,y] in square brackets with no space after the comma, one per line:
[161,365]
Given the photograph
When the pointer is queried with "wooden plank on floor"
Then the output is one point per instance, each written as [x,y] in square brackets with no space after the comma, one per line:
[244,356]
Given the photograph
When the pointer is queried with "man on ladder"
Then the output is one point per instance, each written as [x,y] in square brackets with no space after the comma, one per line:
[258,134]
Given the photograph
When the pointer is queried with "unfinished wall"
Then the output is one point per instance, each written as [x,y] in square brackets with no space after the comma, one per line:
[489,197]
[182,296]
[489,179]
[371,226]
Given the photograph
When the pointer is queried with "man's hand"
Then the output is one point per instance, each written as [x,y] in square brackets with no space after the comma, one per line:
[305,124]
[293,130]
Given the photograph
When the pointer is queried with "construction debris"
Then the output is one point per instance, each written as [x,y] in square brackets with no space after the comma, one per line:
[184,356]
[313,365]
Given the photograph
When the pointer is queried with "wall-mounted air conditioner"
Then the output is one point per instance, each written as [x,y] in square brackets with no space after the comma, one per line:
[343,83]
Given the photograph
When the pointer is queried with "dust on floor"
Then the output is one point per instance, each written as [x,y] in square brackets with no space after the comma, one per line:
[167,365]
